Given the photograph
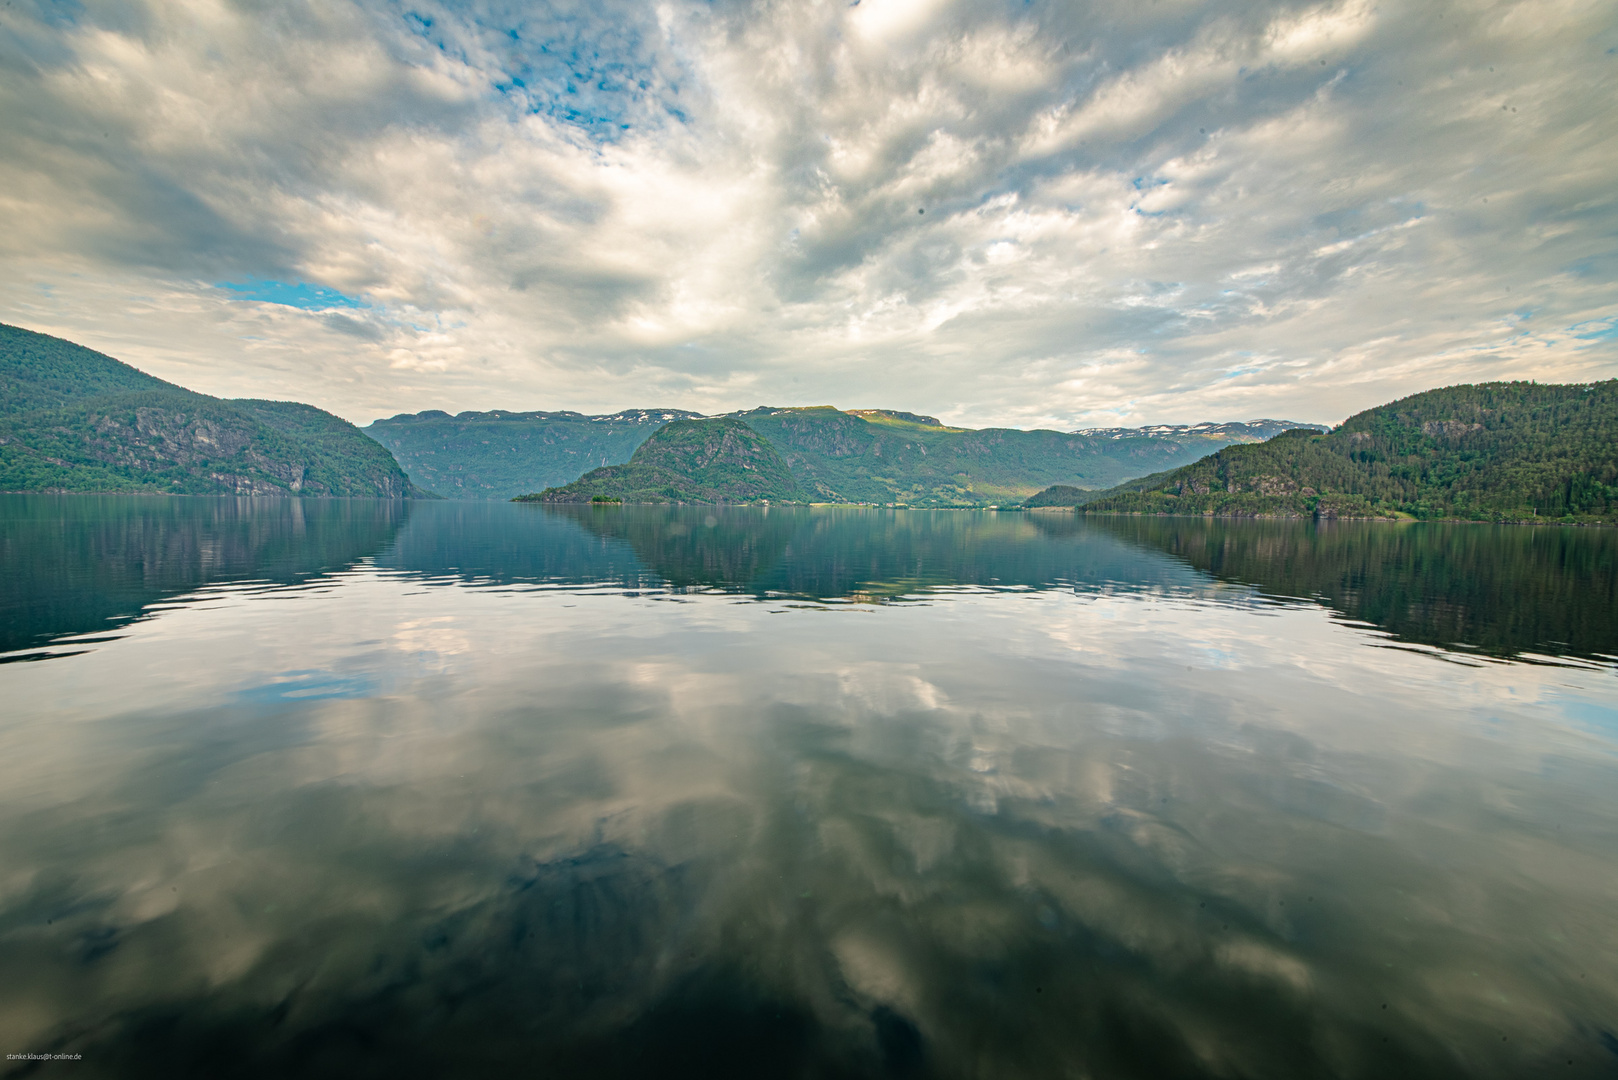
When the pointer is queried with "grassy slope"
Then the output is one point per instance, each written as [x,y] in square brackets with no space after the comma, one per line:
[72,419]
[1490,452]
[496,455]
[709,461]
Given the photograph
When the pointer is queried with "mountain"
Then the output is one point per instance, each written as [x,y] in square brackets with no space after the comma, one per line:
[718,460]
[1235,431]
[859,455]
[1515,451]
[885,456]
[1060,495]
[879,415]
[72,419]
[496,455]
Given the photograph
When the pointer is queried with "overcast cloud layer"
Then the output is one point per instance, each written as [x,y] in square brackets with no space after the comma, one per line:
[1032,214]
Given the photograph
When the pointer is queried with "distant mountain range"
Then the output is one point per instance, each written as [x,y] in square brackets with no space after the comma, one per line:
[857,455]
[72,419]
[1513,451]
[499,454]
[1236,431]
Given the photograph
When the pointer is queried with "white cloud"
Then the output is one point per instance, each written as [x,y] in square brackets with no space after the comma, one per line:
[1044,217]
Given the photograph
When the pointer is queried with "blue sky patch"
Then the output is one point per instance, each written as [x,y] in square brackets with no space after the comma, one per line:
[599,71]
[1596,329]
[302,295]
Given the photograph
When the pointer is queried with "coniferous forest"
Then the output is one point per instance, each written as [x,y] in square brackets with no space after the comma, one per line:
[1517,451]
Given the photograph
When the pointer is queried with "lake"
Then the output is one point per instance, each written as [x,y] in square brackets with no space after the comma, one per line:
[347,789]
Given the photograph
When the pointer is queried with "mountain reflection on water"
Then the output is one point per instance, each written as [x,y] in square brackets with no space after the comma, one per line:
[83,564]
[819,554]
[465,789]
[88,564]
[1499,589]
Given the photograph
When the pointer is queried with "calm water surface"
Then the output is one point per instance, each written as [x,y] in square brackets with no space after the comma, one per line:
[361,789]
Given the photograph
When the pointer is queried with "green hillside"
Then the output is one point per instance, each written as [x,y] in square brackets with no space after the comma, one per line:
[1060,495]
[719,460]
[880,456]
[496,455]
[73,419]
[897,458]
[862,455]
[1492,452]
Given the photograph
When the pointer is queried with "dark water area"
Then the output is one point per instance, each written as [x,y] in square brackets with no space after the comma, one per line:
[88,564]
[349,788]
[1504,590]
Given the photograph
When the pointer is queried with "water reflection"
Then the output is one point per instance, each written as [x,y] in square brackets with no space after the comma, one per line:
[871,554]
[85,565]
[498,799]
[819,554]
[88,564]
[1498,589]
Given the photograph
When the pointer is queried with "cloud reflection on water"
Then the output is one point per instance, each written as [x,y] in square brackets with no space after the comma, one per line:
[1130,831]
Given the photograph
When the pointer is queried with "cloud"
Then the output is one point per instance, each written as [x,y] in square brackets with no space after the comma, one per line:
[1029,215]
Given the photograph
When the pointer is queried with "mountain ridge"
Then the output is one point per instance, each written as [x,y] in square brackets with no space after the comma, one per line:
[857,455]
[1506,451]
[74,419]
[1239,430]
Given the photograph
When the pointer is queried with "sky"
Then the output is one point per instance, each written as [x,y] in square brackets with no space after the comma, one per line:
[1014,213]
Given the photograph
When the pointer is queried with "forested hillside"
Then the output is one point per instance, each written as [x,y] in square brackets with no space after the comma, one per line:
[879,456]
[72,419]
[1514,451]
[718,460]
[860,455]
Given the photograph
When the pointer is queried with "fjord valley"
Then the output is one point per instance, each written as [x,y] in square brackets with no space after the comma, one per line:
[814,540]
[889,457]
[72,419]
[883,456]
[1517,451]
[75,420]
